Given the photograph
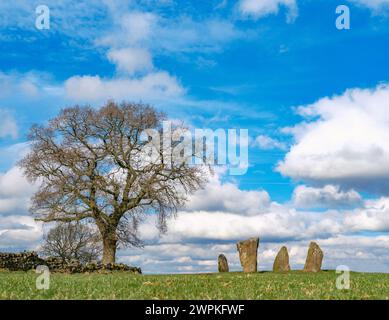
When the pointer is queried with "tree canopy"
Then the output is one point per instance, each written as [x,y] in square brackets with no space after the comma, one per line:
[95,164]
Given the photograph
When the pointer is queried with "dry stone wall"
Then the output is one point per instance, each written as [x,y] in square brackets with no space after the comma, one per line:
[20,261]
[25,261]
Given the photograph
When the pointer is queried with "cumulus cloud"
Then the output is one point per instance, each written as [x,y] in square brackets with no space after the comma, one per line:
[19,232]
[157,85]
[201,232]
[195,240]
[210,216]
[261,8]
[131,60]
[18,229]
[15,192]
[374,217]
[359,253]
[279,224]
[326,197]
[218,196]
[13,183]
[267,143]
[343,140]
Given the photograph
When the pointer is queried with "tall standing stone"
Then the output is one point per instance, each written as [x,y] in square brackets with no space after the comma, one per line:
[314,258]
[281,263]
[248,254]
[222,263]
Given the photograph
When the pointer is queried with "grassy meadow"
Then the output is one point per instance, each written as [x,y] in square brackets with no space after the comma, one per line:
[262,285]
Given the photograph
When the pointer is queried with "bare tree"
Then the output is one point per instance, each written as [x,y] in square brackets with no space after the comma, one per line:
[72,240]
[94,164]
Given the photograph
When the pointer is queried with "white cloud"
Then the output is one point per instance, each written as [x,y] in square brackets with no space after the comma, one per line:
[29,85]
[15,192]
[196,237]
[13,183]
[10,154]
[200,233]
[29,88]
[327,197]
[218,226]
[218,196]
[257,9]
[187,35]
[131,44]
[374,217]
[76,19]
[156,85]
[132,28]
[130,38]
[19,232]
[360,253]
[267,143]
[138,26]
[131,60]
[8,126]
[343,141]
[261,8]
[375,5]
[224,212]
[169,35]
[278,224]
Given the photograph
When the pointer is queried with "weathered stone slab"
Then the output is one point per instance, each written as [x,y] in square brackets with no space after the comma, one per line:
[314,258]
[248,251]
[281,262]
[222,263]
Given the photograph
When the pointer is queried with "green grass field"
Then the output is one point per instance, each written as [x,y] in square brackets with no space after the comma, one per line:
[262,285]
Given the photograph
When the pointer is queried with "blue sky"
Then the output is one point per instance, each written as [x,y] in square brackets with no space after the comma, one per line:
[313,98]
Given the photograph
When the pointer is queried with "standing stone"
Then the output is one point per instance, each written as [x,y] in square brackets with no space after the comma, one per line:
[281,263]
[248,254]
[222,263]
[314,258]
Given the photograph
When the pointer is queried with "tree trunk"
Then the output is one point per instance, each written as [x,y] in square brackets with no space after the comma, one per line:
[109,250]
